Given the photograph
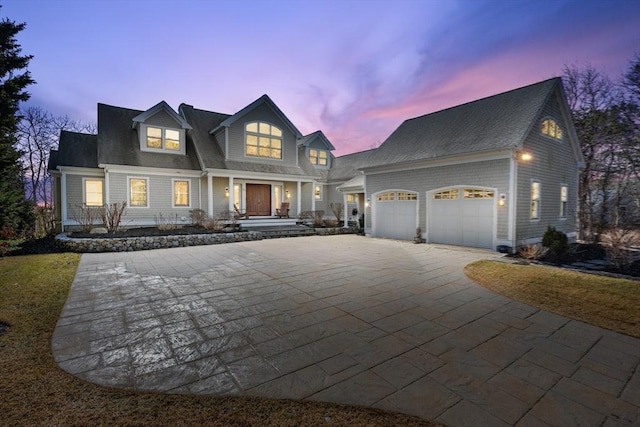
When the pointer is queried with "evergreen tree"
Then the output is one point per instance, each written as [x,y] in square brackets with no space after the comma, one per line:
[16,211]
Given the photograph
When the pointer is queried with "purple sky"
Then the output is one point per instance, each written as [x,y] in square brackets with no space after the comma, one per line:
[354,69]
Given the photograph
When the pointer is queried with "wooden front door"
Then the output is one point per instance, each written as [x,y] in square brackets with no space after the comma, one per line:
[258,199]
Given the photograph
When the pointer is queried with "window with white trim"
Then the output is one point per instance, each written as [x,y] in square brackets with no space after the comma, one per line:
[535,200]
[162,138]
[404,195]
[317,192]
[550,128]
[139,192]
[93,191]
[318,157]
[181,191]
[353,198]
[263,140]
[564,198]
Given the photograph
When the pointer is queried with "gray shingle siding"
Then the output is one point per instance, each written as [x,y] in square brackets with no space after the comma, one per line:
[237,143]
[553,164]
[162,118]
[492,174]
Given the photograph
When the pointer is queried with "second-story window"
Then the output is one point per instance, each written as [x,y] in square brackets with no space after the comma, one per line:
[318,157]
[263,140]
[160,138]
[550,128]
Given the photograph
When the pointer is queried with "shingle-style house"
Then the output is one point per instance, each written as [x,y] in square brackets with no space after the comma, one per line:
[496,171]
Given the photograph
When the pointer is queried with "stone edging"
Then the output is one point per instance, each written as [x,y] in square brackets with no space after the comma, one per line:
[127,244]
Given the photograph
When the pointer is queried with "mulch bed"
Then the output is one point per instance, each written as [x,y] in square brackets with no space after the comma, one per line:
[151,231]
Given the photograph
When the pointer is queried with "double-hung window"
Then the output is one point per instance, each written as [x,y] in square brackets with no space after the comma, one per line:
[318,157]
[181,192]
[93,192]
[139,192]
[318,192]
[564,197]
[535,200]
[163,139]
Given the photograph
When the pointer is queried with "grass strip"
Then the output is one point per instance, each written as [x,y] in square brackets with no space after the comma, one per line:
[608,302]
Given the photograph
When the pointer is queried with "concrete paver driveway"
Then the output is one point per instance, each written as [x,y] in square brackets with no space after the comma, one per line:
[348,319]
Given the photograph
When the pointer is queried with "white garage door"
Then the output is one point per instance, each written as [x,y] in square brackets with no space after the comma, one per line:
[395,215]
[462,216]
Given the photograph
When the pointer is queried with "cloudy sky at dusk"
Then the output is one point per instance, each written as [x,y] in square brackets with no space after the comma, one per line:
[354,69]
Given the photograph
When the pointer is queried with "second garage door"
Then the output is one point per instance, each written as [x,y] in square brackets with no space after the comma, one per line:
[462,216]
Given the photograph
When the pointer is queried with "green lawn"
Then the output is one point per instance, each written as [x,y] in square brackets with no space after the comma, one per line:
[599,300]
[34,391]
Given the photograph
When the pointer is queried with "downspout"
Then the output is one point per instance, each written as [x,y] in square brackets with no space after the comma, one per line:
[513,188]
[63,199]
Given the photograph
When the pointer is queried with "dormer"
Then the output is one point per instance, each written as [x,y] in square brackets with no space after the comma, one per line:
[161,130]
[317,149]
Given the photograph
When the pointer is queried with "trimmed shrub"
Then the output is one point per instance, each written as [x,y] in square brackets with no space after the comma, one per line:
[556,241]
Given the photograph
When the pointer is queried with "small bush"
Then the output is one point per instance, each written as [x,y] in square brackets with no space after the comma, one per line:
[556,241]
[213,224]
[318,218]
[331,223]
[336,208]
[198,217]
[112,214]
[86,217]
[167,223]
[618,244]
[533,251]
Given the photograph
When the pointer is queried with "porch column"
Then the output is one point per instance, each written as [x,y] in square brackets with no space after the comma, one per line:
[298,197]
[231,194]
[210,195]
[345,212]
[63,199]
[313,195]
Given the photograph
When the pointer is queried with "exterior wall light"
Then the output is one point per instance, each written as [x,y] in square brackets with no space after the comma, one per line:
[502,199]
[226,191]
[288,195]
[367,203]
[526,157]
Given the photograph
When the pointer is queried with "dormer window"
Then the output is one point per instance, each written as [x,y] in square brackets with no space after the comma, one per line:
[161,139]
[550,128]
[318,157]
[263,140]
[164,139]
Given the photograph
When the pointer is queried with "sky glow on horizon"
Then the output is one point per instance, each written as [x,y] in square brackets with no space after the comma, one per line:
[354,69]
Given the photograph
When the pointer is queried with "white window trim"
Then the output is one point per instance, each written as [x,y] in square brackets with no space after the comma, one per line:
[84,191]
[539,210]
[566,210]
[173,193]
[321,196]
[317,163]
[129,205]
[258,134]
[557,125]
[143,140]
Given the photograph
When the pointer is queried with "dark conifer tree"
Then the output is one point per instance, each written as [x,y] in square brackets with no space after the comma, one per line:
[16,211]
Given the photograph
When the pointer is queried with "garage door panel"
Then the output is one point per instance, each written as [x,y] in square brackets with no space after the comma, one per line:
[395,219]
[466,222]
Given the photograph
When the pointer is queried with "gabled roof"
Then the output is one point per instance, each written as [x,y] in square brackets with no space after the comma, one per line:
[316,136]
[75,149]
[118,143]
[263,100]
[498,122]
[142,117]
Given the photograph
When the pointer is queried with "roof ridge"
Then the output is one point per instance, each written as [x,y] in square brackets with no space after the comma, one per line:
[484,98]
